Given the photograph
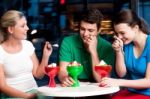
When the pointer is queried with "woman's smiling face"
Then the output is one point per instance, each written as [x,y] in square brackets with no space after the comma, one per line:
[19,31]
[125,32]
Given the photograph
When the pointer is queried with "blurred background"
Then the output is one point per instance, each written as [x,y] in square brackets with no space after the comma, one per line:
[52,20]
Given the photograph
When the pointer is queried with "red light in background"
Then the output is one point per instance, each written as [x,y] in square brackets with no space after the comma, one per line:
[62,2]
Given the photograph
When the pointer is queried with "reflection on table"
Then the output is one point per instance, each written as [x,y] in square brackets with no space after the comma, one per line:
[85,89]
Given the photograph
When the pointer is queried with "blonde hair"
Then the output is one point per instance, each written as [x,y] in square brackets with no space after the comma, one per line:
[8,19]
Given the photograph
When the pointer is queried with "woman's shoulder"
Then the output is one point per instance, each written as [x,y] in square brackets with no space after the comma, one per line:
[1,46]
[26,42]
[148,37]
[1,50]
[28,47]
[148,41]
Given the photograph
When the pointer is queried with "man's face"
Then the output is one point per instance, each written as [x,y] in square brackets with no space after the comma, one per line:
[87,30]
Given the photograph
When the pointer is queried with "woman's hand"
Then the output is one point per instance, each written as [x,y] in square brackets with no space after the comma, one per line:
[117,44]
[108,82]
[47,51]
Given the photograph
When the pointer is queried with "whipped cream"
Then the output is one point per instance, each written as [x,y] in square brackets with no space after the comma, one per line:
[52,65]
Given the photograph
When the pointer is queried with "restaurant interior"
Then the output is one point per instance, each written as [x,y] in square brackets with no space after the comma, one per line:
[51,20]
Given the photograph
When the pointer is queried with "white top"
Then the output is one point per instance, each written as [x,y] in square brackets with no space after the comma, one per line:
[85,89]
[18,67]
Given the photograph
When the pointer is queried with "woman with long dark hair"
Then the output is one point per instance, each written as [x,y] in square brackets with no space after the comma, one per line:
[132,47]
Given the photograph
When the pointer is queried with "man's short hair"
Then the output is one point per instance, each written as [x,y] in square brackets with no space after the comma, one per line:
[92,16]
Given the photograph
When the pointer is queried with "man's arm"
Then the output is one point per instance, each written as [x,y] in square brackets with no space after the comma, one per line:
[63,70]
[63,75]
[92,49]
[95,61]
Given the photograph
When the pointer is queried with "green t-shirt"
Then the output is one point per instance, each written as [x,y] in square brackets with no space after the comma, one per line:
[72,49]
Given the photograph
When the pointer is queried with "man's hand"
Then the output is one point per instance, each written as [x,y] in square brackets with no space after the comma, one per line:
[91,44]
[67,82]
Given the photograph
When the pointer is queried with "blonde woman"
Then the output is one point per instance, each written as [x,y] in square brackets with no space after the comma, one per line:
[18,62]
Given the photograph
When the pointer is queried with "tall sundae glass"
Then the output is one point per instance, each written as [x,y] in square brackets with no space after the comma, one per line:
[52,70]
[103,69]
[74,69]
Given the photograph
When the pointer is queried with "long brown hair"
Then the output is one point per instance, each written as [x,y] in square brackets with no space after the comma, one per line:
[132,19]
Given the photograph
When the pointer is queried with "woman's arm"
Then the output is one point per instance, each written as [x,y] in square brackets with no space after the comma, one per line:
[141,83]
[10,91]
[136,84]
[120,64]
[38,68]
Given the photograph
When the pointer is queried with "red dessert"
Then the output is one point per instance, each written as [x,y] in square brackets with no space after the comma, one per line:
[74,63]
[51,71]
[103,71]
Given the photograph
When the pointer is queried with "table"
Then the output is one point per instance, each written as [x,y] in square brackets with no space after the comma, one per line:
[85,89]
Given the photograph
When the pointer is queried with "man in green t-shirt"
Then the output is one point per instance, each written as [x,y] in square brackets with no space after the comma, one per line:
[87,48]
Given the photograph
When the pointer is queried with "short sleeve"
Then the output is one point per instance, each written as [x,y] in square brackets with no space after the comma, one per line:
[29,48]
[64,51]
[1,55]
[148,49]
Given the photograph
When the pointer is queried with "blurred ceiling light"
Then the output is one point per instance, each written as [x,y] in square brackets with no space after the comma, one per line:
[33,32]
[55,45]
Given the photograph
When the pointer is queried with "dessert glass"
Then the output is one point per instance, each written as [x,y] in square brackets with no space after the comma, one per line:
[74,72]
[51,72]
[103,71]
